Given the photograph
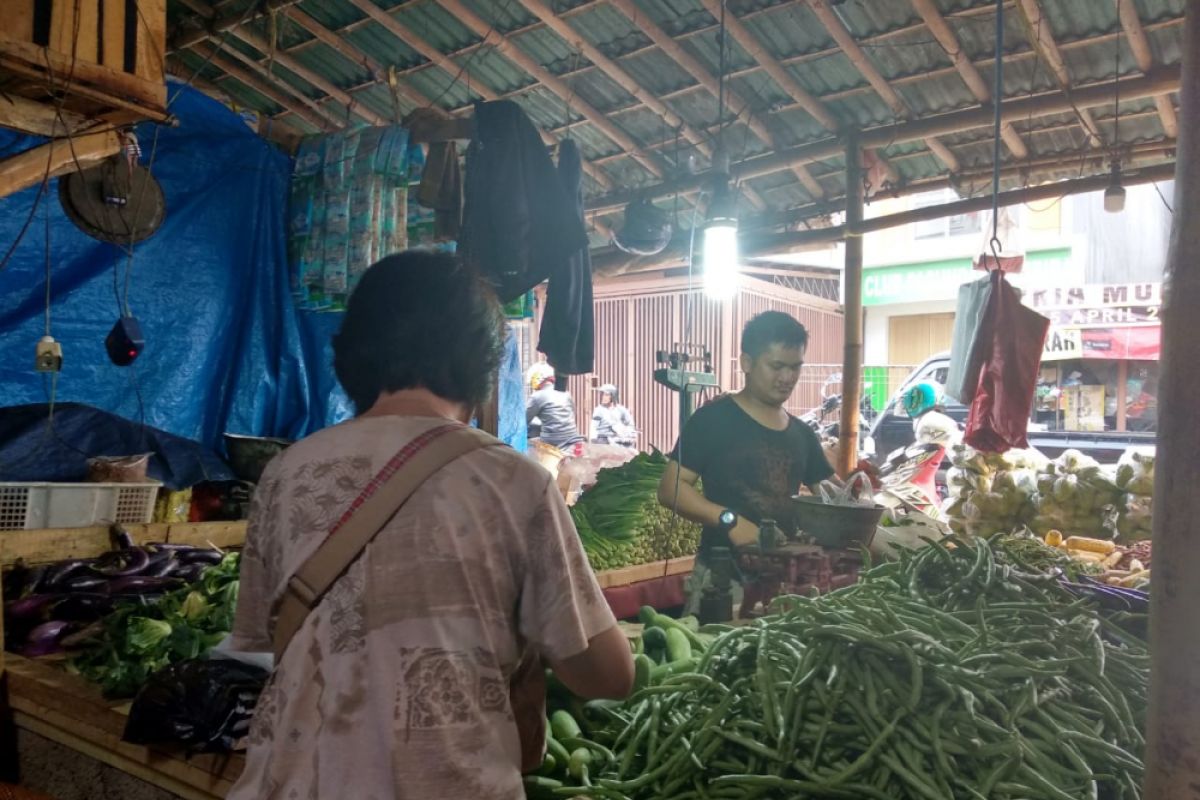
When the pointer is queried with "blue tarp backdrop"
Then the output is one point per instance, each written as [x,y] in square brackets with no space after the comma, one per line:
[226,348]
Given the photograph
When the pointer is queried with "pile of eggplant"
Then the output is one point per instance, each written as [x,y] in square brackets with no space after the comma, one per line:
[49,608]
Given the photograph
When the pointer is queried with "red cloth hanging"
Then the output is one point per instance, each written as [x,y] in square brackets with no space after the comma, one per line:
[999,414]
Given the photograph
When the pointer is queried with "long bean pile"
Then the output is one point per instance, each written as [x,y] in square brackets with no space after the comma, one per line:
[949,674]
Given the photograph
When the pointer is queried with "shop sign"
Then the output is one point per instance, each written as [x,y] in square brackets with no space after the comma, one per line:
[939,280]
[1098,305]
[1063,344]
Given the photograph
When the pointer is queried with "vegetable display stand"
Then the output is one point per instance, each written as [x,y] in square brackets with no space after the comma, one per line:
[45,700]
[658,584]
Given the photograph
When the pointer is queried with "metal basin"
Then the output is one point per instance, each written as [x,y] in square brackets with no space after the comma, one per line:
[836,526]
[249,455]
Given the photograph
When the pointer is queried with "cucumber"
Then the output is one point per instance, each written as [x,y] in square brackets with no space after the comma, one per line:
[564,726]
[549,765]
[691,623]
[554,748]
[642,666]
[678,646]
[539,786]
[577,766]
[654,643]
[646,615]
[667,624]
[672,668]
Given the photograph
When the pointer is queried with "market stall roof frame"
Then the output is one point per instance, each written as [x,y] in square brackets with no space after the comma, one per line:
[633,81]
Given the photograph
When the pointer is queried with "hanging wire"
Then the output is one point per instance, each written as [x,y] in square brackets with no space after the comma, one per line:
[997,96]
[1117,94]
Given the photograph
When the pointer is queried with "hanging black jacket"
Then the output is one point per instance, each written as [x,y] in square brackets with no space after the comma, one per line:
[520,226]
[568,327]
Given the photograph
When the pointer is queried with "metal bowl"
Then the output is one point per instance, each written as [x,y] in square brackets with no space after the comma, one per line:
[837,526]
[249,455]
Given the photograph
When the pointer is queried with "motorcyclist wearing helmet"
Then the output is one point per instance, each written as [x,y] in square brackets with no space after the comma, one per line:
[554,410]
[611,422]
[925,404]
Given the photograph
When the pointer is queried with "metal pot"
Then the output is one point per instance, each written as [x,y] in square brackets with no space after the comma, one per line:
[249,455]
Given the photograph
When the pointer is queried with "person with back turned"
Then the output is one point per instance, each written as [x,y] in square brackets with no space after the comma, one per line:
[419,672]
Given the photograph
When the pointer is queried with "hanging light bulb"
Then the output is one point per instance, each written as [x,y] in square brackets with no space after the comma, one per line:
[721,246]
[1114,195]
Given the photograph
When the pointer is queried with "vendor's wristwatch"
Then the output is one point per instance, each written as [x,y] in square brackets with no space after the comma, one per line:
[728,520]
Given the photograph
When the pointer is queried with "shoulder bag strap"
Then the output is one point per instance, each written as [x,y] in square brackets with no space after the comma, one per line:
[381,500]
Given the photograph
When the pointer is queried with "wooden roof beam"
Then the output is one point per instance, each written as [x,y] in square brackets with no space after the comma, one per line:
[218,24]
[1139,43]
[1037,30]
[267,82]
[319,81]
[1163,80]
[266,88]
[778,73]
[845,40]
[750,43]
[447,64]
[700,73]
[554,84]
[948,40]
[627,82]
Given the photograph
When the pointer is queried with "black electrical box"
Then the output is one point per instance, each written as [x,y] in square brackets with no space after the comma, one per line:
[125,342]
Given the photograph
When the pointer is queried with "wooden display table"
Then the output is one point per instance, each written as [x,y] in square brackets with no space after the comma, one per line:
[46,700]
[659,584]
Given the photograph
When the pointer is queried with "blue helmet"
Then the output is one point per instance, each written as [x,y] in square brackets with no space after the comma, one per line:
[922,397]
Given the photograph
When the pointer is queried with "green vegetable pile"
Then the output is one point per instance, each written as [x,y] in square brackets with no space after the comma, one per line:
[621,523]
[137,638]
[948,674]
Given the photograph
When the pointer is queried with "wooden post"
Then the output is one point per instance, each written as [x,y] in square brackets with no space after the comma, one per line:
[853,278]
[1122,395]
[1173,727]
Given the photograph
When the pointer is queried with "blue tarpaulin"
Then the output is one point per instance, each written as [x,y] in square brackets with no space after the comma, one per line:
[226,347]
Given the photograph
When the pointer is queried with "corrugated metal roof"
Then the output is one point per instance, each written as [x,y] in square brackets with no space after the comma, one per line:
[890,33]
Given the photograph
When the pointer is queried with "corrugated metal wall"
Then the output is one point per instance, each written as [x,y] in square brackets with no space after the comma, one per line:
[637,318]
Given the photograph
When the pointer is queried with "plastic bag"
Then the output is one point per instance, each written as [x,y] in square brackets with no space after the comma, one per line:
[999,416]
[971,332]
[203,705]
[834,495]
[904,528]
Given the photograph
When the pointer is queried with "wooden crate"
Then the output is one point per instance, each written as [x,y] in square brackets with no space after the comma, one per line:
[111,54]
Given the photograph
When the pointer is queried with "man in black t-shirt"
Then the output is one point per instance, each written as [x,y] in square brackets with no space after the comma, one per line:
[749,454]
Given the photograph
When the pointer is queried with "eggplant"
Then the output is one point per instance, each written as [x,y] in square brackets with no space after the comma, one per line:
[30,606]
[44,639]
[121,536]
[201,556]
[120,563]
[140,584]
[83,607]
[86,583]
[22,580]
[162,564]
[58,573]
[189,573]
[83,635]
[171,546]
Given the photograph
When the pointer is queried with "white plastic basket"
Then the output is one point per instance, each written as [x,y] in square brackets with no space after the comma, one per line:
[75,505]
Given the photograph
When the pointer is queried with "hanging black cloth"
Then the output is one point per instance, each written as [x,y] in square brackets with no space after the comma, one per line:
[520,225]
[568,327]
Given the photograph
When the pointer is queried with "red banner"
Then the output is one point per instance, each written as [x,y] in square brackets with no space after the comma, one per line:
[1139,343]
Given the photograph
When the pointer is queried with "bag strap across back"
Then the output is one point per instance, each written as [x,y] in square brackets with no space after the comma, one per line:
[388,492]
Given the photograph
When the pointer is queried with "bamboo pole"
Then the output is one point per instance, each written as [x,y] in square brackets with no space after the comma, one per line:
[1039,33]
[1139,45]
[852,361]
[1173,727]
